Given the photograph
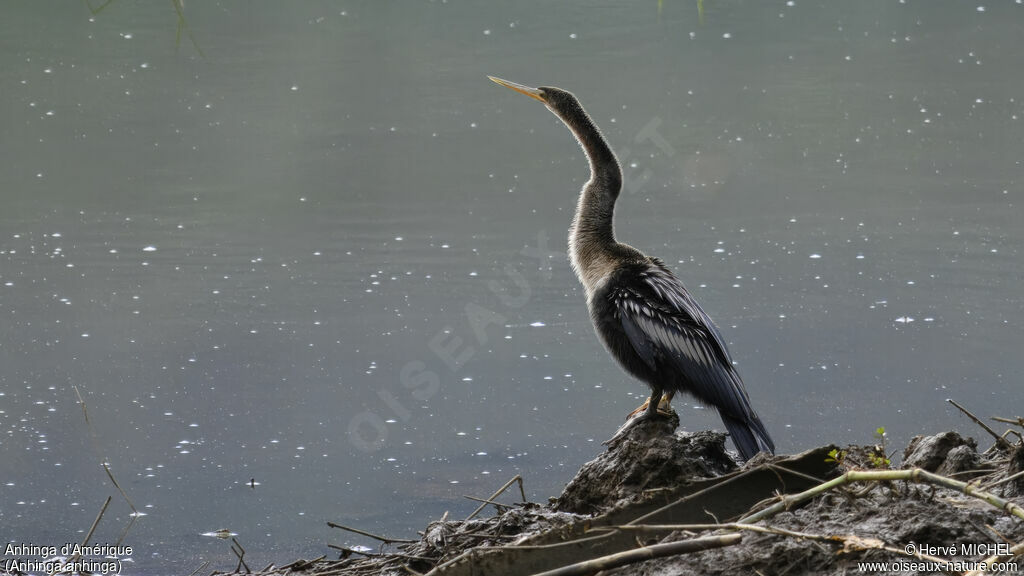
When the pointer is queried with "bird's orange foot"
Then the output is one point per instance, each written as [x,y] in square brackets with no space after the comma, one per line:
[664,407]
[641,414]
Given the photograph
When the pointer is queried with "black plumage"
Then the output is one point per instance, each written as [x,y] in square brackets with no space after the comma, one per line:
[642,313]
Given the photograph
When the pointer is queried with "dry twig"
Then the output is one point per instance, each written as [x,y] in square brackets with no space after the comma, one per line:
[516,478]
[1000,441]
[641,554]
[383,539]
[92,529]
[240,552]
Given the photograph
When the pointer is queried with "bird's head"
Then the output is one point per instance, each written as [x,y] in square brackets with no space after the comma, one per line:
[568,109]
[553,98]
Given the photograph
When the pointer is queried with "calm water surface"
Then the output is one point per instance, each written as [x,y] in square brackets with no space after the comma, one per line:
[312,246]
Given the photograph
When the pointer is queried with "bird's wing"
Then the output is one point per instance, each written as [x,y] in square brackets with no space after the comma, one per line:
[665,325]
[671,290]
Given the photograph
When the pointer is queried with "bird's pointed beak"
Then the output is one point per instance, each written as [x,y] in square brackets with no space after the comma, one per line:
[527,90]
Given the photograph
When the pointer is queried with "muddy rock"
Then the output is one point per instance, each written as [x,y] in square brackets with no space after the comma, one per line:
[649,457]
[946,453]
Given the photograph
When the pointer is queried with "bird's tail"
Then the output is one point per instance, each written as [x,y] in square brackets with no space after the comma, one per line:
[749,435]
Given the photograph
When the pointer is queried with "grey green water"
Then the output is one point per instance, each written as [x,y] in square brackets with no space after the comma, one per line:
[310,245]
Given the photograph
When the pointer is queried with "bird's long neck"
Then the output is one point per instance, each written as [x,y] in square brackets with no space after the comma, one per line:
[591,237]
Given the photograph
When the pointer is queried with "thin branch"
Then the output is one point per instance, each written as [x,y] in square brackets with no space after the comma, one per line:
[179,7]
[382,554]
[240,552]
[301,564]
[135,511]
[383,539]
[96,11]
[489,536]
[1002,442]
[201,566]
[499,505]
[92,436]
[641,554]
[1018,420]
[517,477]
[658,528]
[1003,481]
[916,475]
[848,542]
[96,522]
[332,572]
[81,402]
[92,529]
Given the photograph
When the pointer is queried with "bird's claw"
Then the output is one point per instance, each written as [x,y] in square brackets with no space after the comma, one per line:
[664,408]
[639,416]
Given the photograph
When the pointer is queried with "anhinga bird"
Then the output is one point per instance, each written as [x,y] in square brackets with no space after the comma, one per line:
[642,313]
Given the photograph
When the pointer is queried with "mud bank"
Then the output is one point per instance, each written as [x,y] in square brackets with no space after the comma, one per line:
[671,503]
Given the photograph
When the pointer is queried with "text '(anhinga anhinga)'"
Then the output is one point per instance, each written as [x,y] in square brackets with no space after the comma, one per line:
[642,313]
